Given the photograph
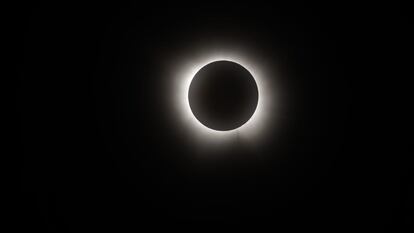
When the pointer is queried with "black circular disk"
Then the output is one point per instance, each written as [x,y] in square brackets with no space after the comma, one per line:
[223,95]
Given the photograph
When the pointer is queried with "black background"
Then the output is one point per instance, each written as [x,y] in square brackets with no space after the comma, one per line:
[99,149]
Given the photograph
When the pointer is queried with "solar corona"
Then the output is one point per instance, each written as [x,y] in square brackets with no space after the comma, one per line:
[254,116]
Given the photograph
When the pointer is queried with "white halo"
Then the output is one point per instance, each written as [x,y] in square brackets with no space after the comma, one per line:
[257,123]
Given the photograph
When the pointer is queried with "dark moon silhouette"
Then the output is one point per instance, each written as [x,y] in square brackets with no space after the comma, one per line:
[223,95]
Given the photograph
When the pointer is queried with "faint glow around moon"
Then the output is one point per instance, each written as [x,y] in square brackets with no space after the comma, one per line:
[258,122]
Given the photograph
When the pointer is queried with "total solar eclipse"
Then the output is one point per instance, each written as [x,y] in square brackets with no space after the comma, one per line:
[223,95]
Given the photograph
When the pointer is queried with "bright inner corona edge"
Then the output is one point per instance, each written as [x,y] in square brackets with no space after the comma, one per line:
[251,128]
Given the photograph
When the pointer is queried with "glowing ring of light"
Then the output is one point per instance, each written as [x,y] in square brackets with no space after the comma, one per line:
[257,122]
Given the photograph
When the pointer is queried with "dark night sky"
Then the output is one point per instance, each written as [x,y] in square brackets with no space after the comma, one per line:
[99,150]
